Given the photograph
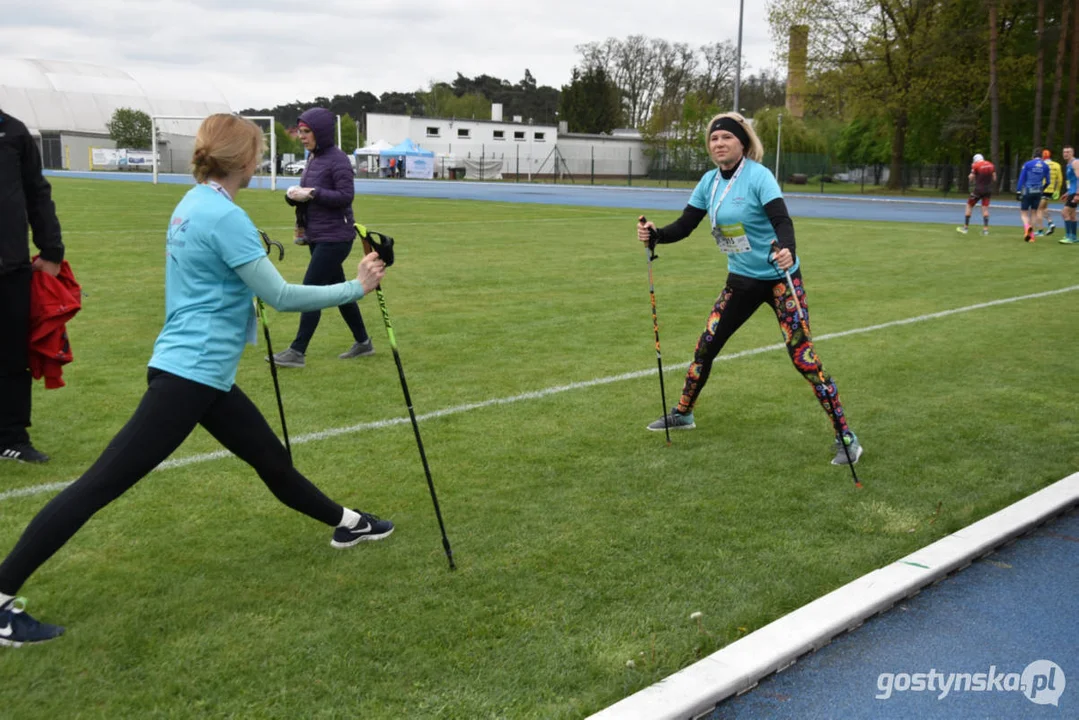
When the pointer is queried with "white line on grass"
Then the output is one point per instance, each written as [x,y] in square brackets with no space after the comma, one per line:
[547,392]
[394,223]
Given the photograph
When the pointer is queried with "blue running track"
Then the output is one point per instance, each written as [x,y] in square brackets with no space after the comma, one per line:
[998,617]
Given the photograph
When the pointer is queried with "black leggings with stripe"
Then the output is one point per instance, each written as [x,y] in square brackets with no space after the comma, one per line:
[168,412]
[739,300]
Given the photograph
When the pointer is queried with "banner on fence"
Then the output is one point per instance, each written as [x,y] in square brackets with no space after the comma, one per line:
[419,167]
[483,168]
[121,158]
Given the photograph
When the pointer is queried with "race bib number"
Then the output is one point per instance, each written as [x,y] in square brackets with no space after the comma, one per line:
[731,239]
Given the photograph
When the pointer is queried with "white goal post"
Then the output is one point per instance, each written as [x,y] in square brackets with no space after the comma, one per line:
[273,140]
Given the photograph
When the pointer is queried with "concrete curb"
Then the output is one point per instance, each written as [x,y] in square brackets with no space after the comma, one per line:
[697,689]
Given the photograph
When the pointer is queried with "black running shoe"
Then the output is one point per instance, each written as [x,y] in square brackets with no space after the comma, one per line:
[17,628]
[23,452]
[370,527]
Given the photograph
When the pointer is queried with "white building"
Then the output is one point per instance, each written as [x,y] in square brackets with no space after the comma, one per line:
[489,149]
[66,105]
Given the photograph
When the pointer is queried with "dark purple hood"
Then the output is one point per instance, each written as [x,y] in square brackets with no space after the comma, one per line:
[323,124]
[329,173]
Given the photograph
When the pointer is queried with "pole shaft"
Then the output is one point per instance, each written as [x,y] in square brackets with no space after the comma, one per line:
[273,373]
[659,355]
[650,255]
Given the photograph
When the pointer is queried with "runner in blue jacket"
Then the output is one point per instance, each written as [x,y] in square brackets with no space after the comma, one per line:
[1033,179]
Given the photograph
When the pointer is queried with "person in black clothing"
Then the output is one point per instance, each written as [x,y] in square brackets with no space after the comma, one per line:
[25,202]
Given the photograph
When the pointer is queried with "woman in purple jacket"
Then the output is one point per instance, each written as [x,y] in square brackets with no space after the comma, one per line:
[324,196]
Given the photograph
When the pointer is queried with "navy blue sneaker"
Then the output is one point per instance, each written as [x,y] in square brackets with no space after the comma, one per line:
[370,527]
[17,628]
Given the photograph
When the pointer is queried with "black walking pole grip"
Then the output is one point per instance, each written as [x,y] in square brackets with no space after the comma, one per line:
[272,244]
[381,244]
[652,237]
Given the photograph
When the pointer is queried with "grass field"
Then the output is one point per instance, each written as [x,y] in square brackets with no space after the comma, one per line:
[582,541]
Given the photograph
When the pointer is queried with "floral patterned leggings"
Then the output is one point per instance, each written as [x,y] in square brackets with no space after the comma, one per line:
[739,300]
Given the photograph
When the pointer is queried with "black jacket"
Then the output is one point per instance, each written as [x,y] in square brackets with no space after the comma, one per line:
[25,200]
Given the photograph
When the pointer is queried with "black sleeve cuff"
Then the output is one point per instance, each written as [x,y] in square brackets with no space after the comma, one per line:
[53,254]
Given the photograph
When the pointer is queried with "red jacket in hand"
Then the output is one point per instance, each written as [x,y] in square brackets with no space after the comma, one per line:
[53,301]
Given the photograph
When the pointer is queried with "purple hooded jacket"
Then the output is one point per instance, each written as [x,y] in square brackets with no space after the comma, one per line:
[329,211]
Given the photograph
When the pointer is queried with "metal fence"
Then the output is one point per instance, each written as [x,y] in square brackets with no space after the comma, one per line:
[815,172]
[613,165]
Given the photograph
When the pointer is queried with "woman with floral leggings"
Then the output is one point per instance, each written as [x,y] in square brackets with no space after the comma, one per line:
[751,226]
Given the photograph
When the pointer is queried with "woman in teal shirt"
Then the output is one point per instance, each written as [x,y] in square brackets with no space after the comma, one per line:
[214,267]
[751,226]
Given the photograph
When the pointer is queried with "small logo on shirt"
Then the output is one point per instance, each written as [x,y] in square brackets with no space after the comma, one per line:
[178,226]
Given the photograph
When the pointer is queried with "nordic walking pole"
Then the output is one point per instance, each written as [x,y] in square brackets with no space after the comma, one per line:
[650,253]
[820,371]
[384,247]
[260,309]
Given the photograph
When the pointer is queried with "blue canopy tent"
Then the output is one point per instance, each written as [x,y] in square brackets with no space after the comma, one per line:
[418,163]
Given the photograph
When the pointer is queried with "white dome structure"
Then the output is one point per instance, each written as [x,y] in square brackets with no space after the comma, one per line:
[68,104]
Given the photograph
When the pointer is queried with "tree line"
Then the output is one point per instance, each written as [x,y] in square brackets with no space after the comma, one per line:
[668,91]
[617,83]
[463,98]
[889,83]
[934,81]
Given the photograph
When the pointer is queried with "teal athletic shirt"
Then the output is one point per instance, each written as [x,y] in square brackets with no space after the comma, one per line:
[1073,182]
[211,249]
[742,214]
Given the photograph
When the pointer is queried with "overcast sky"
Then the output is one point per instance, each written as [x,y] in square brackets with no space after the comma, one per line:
[261,53]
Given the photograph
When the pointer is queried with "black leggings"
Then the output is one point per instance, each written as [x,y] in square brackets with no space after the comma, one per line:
[15,356]
[325,269]
[167,414]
